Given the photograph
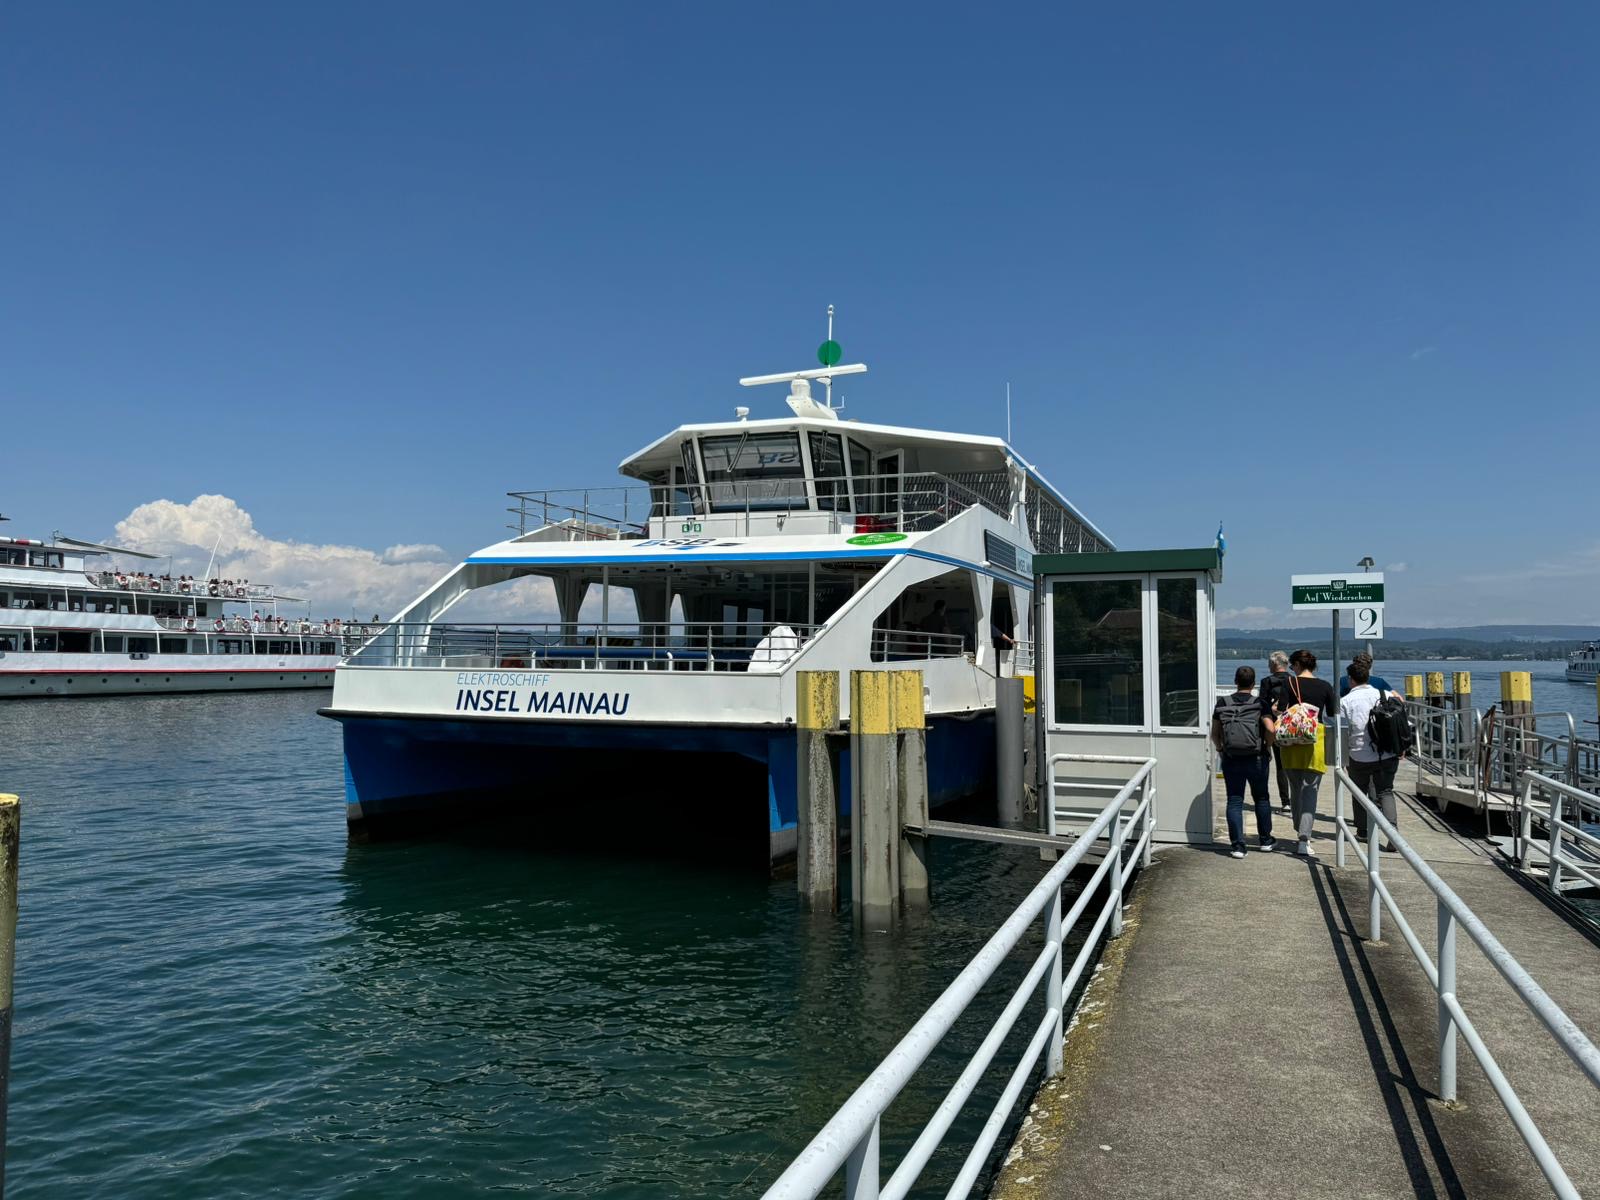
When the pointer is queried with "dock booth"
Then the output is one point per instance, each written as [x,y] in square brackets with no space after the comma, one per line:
[1126,664]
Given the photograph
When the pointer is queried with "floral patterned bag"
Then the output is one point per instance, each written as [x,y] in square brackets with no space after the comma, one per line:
[1298,726]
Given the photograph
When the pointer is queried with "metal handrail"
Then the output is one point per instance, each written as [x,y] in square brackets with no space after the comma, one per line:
[850,1139]
[1523,827]
[899,645]
[1453,912]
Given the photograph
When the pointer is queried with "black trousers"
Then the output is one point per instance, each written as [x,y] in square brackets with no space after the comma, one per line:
[1283,777]
[1376,780]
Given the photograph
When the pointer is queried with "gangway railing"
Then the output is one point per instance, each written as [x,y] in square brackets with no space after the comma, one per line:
[1453,914]
[851,1139]
[1560,798]
[1493,752]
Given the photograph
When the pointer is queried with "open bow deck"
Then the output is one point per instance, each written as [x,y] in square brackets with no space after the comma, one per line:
[747,551]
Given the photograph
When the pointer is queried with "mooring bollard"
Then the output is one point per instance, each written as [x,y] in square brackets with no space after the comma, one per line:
[1008,736]
[10,839]
[915,876]
[816,783]
[874,800]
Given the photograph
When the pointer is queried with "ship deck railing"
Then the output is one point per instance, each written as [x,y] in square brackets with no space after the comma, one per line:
[851,1139]
[911,502]
[197,589]
[759,647]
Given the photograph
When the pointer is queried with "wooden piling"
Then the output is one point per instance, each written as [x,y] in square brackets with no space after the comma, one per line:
[910,722]
[1461,702]
[816,784]
[1516,706]
[874,800]
[10,839]
[1008,733]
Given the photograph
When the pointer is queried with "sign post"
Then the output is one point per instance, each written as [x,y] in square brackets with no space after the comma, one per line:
[1334,593]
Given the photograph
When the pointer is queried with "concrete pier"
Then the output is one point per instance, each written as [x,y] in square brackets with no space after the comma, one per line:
[1244,1039]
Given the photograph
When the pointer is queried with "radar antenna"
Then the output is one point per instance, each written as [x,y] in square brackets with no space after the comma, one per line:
[800,400]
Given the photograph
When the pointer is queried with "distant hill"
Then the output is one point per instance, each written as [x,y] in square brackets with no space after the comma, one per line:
[1483,642]
[1404,633]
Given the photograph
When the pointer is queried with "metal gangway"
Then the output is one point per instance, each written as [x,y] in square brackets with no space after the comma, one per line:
[1535,768]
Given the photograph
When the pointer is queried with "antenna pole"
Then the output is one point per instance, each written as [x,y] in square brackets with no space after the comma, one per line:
[828,382]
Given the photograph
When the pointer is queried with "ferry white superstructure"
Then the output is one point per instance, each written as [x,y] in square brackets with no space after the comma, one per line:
[1583,664]
[73,625]
[748,550]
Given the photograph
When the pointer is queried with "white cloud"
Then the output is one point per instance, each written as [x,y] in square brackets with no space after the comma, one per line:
[1422,352]
[1256,616]
[410,552]
[336,579]
[1396,568]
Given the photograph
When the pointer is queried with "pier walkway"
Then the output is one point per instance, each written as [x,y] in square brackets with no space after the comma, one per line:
[1243,1039]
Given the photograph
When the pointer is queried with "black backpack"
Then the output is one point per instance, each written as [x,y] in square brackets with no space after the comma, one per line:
[1241,726]
[1390,728]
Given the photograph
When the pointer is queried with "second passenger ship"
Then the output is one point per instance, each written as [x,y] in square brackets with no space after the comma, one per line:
[747,550]
[72,624]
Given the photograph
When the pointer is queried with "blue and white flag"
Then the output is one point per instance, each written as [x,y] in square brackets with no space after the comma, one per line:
[1222,542]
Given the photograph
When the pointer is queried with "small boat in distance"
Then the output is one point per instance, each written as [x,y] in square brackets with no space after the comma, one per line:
[1583,664]
[73,624]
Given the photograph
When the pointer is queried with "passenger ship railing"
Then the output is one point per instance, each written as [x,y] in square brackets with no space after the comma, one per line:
[911,502]
[198,589]
[754,646]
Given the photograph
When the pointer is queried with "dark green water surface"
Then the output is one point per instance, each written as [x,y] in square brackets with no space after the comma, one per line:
[218,995]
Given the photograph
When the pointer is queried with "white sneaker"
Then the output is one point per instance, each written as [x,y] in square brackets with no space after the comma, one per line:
[1304,849]
[1236,854]
[1269,847]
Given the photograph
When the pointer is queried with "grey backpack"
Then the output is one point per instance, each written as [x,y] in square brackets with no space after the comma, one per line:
[1241,726]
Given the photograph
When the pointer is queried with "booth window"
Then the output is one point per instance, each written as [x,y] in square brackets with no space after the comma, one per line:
[1177,635]
[1098,640]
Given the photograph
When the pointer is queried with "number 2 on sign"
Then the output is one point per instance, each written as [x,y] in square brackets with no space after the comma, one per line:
[1369,623]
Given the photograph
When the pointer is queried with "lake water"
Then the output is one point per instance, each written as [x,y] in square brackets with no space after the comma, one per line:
[217,994]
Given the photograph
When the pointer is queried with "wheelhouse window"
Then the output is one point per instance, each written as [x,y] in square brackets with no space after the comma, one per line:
[1098,652]
[754,470]
[828,470]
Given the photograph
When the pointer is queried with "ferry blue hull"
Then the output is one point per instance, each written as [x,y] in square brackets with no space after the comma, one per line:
[397,767]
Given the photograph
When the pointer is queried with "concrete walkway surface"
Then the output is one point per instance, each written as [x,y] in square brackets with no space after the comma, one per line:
[1242,1039]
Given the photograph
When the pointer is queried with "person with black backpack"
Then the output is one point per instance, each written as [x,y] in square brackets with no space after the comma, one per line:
[1376,744]
[1241,730]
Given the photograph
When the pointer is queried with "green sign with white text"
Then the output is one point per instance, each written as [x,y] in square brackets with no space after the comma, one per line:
[1337,591]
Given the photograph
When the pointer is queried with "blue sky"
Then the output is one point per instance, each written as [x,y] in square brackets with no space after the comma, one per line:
[1325,274]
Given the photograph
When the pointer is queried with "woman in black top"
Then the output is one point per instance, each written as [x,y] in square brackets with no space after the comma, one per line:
[1305,765]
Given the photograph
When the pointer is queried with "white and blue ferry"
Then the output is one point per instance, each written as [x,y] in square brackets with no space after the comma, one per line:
[684,603]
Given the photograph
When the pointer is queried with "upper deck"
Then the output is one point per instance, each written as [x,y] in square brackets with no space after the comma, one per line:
[808,475]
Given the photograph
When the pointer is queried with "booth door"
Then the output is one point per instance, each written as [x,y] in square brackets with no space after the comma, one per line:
[1130,660]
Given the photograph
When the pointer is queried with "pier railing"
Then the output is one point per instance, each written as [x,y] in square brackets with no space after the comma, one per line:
[1453,914]
[851,1139]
